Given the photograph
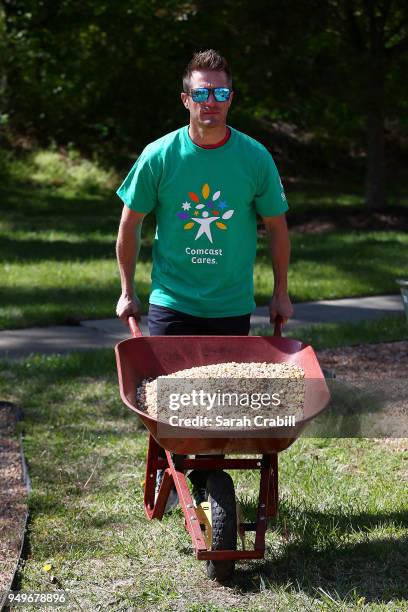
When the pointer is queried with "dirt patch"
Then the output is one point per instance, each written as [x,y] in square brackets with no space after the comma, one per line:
[386,361]
[367,361]
[13,495]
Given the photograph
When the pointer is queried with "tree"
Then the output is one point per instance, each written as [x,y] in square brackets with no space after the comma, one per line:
[107,75]
[376,33]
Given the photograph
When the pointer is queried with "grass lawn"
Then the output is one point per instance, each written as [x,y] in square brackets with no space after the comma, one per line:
[331,335]
[309,195]
[59,219]
[339,543]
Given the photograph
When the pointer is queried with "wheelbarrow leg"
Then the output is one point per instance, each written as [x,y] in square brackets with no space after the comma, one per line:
[186,503]
[268,498]
[154,462]
[273,494]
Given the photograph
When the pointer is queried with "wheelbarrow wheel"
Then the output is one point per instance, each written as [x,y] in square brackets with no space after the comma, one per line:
[221,495]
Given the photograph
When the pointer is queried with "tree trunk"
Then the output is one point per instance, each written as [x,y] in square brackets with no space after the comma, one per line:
[3,73]
[375,168]
[376,70]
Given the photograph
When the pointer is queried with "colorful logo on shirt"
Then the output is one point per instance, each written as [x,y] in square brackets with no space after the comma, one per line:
[204,213]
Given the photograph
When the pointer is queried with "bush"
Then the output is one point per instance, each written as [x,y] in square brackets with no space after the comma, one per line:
[54,168]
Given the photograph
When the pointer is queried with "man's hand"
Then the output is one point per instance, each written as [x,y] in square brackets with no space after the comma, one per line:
[280,304]
[128,306]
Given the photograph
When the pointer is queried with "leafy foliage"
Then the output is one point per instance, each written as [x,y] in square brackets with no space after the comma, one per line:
[106,76]
[96,71]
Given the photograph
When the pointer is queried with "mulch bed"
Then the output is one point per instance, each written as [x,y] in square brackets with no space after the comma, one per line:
[384,366]
[344,219]
[367,361]
[13,495]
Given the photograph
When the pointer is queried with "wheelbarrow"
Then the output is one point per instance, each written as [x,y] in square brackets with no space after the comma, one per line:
[213,526]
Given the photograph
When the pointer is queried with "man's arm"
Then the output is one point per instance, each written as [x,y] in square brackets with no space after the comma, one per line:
[279,250]
[127,251]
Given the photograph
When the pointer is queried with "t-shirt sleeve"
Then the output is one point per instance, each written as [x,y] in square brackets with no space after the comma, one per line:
[139,189]
[270,199]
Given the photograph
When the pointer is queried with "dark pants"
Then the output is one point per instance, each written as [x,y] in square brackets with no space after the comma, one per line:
[167,322]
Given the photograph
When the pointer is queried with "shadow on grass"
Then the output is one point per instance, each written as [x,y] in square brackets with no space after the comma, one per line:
[340,248]
[377,259]
[320,554]
[40,209]
[43,370]
[27,250]
[32,200]
[338,196]
[375,570]
[51,305]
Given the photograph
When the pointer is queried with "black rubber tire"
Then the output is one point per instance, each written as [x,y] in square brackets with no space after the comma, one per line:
[221,495]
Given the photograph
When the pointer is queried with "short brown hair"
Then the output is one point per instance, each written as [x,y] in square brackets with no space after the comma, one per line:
[206,60]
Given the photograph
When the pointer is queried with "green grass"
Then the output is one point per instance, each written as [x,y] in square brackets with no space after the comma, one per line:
[316,194]
[339,542]
[330,335]
[338,264]
[58,230]
[58,226]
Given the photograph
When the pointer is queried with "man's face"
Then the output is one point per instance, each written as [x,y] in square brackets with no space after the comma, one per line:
[210,114]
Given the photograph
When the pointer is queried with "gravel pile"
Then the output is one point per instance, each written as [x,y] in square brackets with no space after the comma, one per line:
[235,390]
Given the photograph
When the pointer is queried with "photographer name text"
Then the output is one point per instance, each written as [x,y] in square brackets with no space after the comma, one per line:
[233,422]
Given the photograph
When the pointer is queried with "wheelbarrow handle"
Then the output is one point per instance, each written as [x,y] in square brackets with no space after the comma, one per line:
[278,326]
[134,327]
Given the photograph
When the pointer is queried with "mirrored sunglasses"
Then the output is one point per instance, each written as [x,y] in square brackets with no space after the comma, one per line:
[201,94]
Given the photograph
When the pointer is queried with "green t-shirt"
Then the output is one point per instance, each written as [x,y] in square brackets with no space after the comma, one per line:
[205,201]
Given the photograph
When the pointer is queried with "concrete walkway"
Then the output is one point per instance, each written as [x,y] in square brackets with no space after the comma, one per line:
[105,333]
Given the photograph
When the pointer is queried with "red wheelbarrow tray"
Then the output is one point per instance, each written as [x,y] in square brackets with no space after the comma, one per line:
[149,357]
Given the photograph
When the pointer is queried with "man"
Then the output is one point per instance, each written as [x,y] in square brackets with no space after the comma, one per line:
[205,182]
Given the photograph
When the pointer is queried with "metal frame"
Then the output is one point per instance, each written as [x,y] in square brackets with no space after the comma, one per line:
[174,474]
